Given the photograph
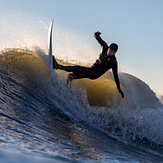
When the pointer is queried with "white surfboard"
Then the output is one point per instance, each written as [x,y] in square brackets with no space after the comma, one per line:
[50,51]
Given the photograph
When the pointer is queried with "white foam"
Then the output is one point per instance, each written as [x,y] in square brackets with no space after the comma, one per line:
[135,118]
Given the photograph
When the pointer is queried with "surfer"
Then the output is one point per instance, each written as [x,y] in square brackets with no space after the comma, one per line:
[105,61]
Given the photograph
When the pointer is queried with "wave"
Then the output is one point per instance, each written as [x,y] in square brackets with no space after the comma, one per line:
[26,84]
[161,99]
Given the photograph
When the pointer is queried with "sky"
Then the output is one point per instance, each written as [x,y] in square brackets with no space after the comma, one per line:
[135,25]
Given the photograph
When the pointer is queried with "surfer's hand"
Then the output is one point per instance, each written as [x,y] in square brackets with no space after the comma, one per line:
[96,34]
[122,94]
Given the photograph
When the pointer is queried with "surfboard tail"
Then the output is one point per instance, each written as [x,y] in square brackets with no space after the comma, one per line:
[50,37]
[50,45]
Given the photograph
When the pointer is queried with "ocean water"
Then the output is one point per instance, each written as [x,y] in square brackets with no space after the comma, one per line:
[44,120]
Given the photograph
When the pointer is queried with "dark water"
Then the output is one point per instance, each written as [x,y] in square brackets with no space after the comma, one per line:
[43,120]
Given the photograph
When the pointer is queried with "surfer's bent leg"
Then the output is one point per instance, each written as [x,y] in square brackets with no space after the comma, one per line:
[86,74]
[73,76]
[79,72]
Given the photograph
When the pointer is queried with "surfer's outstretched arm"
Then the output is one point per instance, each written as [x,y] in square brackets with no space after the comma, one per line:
[116,78]
[101,41]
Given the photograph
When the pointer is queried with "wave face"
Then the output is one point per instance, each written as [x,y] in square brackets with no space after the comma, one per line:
[31,97]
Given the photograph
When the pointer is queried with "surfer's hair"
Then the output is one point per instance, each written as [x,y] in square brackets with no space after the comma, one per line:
[113,46]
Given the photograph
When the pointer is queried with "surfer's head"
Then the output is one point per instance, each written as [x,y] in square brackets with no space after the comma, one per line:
[112,49]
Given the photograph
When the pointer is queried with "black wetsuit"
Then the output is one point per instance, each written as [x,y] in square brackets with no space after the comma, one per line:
[101,65]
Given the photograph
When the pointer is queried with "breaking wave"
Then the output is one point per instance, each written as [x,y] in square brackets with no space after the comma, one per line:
[26,84]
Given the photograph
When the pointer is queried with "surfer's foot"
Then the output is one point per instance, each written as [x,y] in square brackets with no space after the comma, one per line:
[70,78]
[55,64]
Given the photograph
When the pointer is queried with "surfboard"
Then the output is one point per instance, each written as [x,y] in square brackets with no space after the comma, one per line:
[50,44]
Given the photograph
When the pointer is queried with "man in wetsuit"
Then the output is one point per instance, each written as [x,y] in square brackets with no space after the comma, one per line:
[106,61]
